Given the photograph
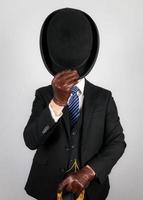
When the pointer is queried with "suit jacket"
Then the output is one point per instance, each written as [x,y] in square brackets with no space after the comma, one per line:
[102,142]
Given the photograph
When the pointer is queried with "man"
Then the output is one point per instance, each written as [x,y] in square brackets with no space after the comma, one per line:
[62,84]
[74,125]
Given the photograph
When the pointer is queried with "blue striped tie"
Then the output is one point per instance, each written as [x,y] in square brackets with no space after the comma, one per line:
[73,105]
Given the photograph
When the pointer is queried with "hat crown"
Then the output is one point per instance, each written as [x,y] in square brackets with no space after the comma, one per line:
[69,38]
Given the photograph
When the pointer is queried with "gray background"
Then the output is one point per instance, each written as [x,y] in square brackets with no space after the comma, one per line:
[118,68]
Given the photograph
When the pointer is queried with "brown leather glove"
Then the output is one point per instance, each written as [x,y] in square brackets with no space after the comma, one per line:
[77,181]
[62,84]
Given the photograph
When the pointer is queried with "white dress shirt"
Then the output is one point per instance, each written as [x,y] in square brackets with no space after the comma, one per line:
[80,85]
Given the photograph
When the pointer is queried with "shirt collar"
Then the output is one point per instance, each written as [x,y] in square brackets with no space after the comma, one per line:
[81,85]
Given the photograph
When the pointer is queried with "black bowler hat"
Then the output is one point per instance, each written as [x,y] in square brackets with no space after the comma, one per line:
[69,39]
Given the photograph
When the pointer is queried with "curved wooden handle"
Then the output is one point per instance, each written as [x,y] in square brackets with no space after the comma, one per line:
[80,197]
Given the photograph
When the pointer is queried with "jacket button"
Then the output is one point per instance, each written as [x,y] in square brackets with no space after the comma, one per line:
[73,133]
[67,148]
[72,146]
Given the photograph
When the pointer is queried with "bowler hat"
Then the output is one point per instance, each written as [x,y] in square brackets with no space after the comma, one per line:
[69,39]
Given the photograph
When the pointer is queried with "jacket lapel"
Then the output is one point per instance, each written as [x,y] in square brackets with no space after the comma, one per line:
[89,104]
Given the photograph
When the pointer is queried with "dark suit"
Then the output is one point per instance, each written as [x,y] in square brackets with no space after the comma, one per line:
[102,142]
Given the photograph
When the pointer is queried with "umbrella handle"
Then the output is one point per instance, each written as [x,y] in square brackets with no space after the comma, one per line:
[80,197]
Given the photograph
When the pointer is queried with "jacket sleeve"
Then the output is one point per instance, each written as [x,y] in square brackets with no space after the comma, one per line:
[113,145]
[40,124]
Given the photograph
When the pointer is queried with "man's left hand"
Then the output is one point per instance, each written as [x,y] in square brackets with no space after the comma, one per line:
[77,181]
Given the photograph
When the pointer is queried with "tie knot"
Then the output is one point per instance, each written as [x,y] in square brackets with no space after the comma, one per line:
[74,89]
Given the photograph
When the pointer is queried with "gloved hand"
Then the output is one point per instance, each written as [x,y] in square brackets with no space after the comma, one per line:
[62,84]
[77,181]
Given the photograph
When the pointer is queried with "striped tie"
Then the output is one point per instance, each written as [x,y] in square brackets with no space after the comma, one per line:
[73,105]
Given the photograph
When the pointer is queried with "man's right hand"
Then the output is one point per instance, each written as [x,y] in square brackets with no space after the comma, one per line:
[62,84]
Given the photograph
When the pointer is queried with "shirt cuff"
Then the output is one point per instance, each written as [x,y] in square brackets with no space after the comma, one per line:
[54,116]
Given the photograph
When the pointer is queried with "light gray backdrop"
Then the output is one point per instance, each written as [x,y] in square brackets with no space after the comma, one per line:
[118,68]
